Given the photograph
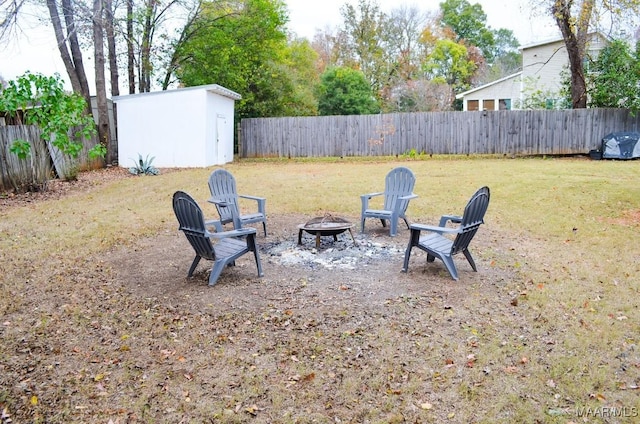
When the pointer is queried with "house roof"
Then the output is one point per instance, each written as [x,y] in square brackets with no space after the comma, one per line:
[482,87]
[559,38]
[542,43]
[213,88]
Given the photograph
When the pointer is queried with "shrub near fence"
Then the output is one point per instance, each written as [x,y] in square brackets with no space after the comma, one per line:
[511,132]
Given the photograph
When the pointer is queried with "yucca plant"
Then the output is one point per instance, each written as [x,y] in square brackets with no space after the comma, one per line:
[144,167]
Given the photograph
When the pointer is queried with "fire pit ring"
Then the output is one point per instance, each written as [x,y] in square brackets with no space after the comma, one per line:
[327,225]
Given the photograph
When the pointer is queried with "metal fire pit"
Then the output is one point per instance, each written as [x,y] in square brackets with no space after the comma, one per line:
[327,225]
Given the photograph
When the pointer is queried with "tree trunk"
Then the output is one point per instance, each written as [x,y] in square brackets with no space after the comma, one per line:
[72,62]
[76,51]
[145,52]
[112,147]
[575,33]
[111,47]
[104,137]
[131,63]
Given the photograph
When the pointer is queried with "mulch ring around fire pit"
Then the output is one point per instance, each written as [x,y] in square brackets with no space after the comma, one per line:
[339,274]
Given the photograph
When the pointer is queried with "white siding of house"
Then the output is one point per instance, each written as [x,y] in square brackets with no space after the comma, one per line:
[543,65]
[509,88]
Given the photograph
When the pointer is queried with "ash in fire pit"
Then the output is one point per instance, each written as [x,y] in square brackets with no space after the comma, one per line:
[327,225]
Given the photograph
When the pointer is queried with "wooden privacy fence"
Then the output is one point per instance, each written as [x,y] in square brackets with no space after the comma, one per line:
[41,155]
[512,132]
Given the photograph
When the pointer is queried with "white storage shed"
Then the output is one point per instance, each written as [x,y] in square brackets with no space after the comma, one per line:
[182,128]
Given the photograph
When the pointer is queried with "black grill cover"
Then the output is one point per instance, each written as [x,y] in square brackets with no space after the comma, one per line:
[621,145]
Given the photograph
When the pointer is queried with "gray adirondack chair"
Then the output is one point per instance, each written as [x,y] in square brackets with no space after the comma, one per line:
[227,246]
[398,191]
[225,197]
[438,245]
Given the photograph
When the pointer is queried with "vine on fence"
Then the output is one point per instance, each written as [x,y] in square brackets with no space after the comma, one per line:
[387,128]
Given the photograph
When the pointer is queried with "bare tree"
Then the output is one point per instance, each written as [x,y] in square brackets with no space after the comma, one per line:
[9,12]
[404,29]
[109,28]
[154,15]
[131,58]
[104,136]
[69,46]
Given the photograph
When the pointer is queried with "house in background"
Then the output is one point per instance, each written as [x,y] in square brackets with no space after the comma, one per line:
[182,128]
[542,68]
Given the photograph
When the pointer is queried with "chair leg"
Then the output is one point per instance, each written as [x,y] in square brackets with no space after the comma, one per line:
[251,242]
[194,264]
[451,266]
[393,227]
[384,223]
[406,222]
[467,255]
[407,255]
[216,270]
[256,255]
[362,224]
[414,239]
[264,227]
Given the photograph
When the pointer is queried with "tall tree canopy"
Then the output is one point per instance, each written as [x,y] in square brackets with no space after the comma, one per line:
[469,24]
[450,62]
[242,46]
[363,42]
[345,91]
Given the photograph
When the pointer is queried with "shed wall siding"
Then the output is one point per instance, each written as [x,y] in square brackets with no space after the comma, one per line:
[179,128]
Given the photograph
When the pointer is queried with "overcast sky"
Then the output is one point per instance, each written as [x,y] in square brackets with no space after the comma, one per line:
[36,50]
[308,16]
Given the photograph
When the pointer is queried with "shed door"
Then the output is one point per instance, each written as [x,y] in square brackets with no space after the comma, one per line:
[222,140]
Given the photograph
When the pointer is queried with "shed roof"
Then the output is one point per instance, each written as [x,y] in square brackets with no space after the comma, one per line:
[213,88]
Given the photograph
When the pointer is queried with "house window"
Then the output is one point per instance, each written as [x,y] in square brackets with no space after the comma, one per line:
[488,105]
[504,104]
[473,105]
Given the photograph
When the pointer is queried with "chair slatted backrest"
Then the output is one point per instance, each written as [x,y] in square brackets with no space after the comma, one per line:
[472,218]
[222,186]
[398,182]
[191,220]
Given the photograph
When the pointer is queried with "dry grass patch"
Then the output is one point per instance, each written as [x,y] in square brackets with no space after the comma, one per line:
[100,324]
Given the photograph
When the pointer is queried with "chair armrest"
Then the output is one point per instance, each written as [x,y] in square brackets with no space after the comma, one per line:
[408,197]
[218,202]
[446,218]
[244,196]
[214,223]
[433,229]
[261,202]
[370,195]
[365,199]
[241,232]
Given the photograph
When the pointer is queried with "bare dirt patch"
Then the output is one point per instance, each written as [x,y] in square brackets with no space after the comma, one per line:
[335,334]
